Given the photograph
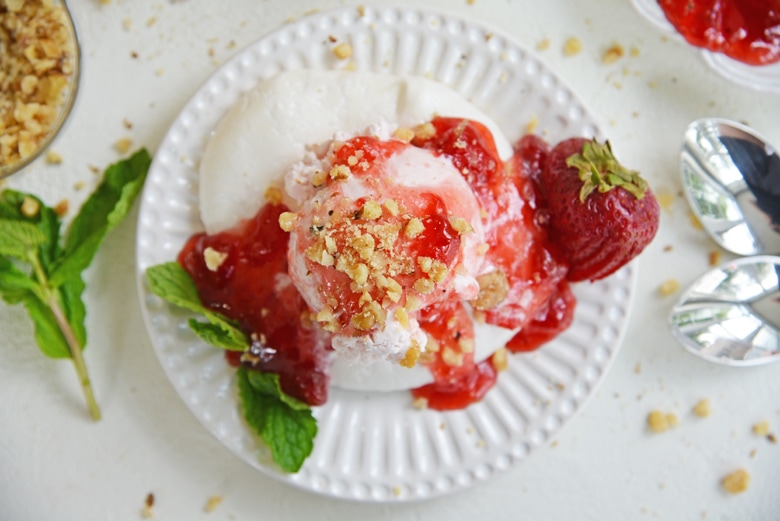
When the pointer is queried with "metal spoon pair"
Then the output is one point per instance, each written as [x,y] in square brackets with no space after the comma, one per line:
[731,176]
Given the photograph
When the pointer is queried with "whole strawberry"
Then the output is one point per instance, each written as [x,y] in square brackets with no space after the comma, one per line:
[602,215]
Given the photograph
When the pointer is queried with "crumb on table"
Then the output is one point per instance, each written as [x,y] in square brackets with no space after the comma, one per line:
[736,482]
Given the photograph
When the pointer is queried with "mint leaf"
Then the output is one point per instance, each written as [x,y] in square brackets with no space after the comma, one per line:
[48,334]
[101,212]
[287,431]
[218,336]
[171,282]
[19,239]
[268,383]
[15,285]
[46,219]
[51,292]
[73,306]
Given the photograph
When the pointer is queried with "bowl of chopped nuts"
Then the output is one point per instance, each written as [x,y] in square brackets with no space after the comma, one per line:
[39,78]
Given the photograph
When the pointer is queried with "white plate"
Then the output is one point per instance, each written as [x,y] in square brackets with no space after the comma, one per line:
[375,446]
[763,78]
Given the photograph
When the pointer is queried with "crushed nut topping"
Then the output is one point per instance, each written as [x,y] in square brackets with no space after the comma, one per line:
[493,289]
[287,221]
[36,66]
[213,258]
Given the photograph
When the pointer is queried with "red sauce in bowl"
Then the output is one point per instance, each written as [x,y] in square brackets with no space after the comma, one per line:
[745,30]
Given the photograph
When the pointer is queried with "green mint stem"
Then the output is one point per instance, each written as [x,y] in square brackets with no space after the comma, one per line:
[52,301]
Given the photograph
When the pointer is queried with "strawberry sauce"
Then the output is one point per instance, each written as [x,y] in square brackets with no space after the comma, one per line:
[252,287]
[745,30]
[243,274]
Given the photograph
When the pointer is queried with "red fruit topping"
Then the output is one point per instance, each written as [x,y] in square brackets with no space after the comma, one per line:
[548,324]
[745,30]
[251,285]
[458,381]
[601,214]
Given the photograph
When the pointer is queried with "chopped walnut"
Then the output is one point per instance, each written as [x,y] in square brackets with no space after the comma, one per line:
[404,134]
[287,221]
[613,54]
[493,289]
[213,258]
[702,409]
[669,287]
[736,482]
[461,225]
[572,46]
[343,51]
[761,428]
[123,145]
[274,195]
[411,356]
[500,360]
[413,228]
[425,131]
[30,207]
[659,421]
[36,68]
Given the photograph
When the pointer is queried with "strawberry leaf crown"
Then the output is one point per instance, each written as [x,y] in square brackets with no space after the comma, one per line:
[598,169]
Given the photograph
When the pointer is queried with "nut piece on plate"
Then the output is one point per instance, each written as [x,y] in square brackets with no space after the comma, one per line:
[36,75]
[736,482]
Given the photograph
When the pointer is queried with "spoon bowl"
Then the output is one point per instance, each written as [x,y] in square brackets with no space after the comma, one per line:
[731,177]
[731,315]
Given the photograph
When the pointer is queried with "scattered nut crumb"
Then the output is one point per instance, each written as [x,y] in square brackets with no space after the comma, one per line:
[659,421]
[123,145]
[61,208]
[420,403]
[213,258]
[665,199]
[702,408]
[736,482]
[151,21]
[761,428]
[127,24]
[543,44]
[212,503]
[637,368]
[634,51]
[572,46]
[53,158]
[500,360]
[146,511]
[612,54]
[669,287]
[531,125]
[714,258]
[78,185]
[30,207]
[343,51]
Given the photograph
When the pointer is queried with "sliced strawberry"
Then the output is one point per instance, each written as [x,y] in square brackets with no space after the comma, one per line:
[601,214]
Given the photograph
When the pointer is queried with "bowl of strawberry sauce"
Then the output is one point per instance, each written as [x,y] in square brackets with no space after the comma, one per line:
[739,39]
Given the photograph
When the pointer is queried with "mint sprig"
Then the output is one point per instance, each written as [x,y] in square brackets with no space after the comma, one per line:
[44,275]
[285,424]
[171,282]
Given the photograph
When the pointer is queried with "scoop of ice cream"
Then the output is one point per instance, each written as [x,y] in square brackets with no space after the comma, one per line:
[286,117]
[389,229]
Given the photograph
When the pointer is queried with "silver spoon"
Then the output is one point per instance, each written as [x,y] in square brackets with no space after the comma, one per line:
[731,177]
[731,315]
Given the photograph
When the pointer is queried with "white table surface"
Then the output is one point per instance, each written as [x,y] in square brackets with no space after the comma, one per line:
[56,464]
